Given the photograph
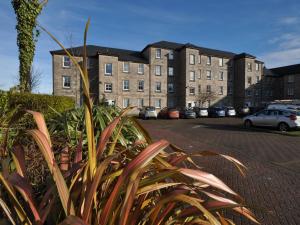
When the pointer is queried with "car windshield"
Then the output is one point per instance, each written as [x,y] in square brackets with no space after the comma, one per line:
[203,108]
[150,108]
[172,109]
[230,108]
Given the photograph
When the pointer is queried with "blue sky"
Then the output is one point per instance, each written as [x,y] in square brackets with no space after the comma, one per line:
[269,29]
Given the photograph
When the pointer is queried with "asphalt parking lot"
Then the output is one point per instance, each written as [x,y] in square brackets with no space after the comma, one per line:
[271,187]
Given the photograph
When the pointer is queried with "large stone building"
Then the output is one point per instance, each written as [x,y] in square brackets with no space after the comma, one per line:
[174,75]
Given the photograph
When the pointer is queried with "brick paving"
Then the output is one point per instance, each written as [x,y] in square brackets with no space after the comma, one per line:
[271,187]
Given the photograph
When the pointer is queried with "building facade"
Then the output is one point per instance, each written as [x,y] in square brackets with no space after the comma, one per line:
[168,74]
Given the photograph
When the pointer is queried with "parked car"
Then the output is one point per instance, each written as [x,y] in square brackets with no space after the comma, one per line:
[216,112]
[169,113]
[279,118]
[148,112]
[230,111]
[201,112]
[283,106]
[187,113]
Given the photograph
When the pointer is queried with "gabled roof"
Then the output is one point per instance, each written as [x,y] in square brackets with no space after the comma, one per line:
[287,70]
[93,50]
[244,55]
[269,73]
[179,46]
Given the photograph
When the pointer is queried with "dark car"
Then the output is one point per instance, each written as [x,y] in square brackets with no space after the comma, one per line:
[168,113]
[187,113]
[216,112]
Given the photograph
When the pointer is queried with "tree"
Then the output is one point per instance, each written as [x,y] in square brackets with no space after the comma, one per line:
[206,97]
[26,12]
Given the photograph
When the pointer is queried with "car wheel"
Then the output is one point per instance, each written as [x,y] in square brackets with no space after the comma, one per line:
[248,124]
[283,127]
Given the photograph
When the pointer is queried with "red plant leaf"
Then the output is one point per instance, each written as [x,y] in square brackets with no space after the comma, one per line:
[19,154]
[247,213]
[73,220]
[78,152]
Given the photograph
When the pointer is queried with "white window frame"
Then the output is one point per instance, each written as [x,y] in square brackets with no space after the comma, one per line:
[199,89]
[221,75]
[171,87]
[158,53]
[257,79]
[64,81]
[64,61]
[170,71]
[210,75]
[199,75]
[291,79]
[221,90]
[192,59]
[199,59]
[208,90]
[157,106]
[141,68]
[124,67]
[107,85]
[257,66]
[140,102]
[192,75]
[221,61]
[290,91]
[124,86]
[249,83]
[126,102]
[192,92]
[143,85]
[105,69]
[209,58]
[171,55]
[157,71]
[249,66]
[157,84]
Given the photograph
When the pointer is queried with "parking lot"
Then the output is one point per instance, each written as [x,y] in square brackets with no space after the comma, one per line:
[271,187]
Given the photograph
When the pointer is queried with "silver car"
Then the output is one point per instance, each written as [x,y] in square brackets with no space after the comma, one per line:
[230,111]
[281,119]
[148,112]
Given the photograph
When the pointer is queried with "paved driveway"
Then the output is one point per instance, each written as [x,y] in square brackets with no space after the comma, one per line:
[272,185]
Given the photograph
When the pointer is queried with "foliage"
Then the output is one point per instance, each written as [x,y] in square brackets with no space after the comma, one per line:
[26,12]
[204,97]
[144,182]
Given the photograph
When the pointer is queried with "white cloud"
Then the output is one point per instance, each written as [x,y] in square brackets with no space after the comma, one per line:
[281,57]
[291,20]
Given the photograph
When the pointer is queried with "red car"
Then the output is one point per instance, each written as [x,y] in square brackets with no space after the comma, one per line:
[168,113]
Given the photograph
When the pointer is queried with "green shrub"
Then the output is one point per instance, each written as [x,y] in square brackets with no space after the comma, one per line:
[41,103]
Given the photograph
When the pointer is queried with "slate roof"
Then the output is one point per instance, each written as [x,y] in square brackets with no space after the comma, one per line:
[244,55]
[179,46]
[287,70]
[93,50]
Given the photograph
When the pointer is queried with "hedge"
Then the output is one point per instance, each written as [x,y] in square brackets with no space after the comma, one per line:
[37,102]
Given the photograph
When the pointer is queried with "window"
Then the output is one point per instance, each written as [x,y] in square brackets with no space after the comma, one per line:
[126,67]
[229,76]
[192,59]
[221,90]
[291,79]
[208,75]
[208,60]
[171,71]
[66,82]
[141,69]
[249,66]
[199,75]
[108,87]
[192,75]
[158,53]
[108,69]
[140,85]
[199,89]
[66,62]
[208,89]
[256,66]
[249,80]
[199,59]
[126,102]
[256,93]
[257,79]
[158,70]
[125,85]
[221,75]
[230,91]
[290,91]
[192,91]
[171,55]
[170,87]
[89,63]
[140,103]
[248,92]
[157,86]
[221,61]
[157,103]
